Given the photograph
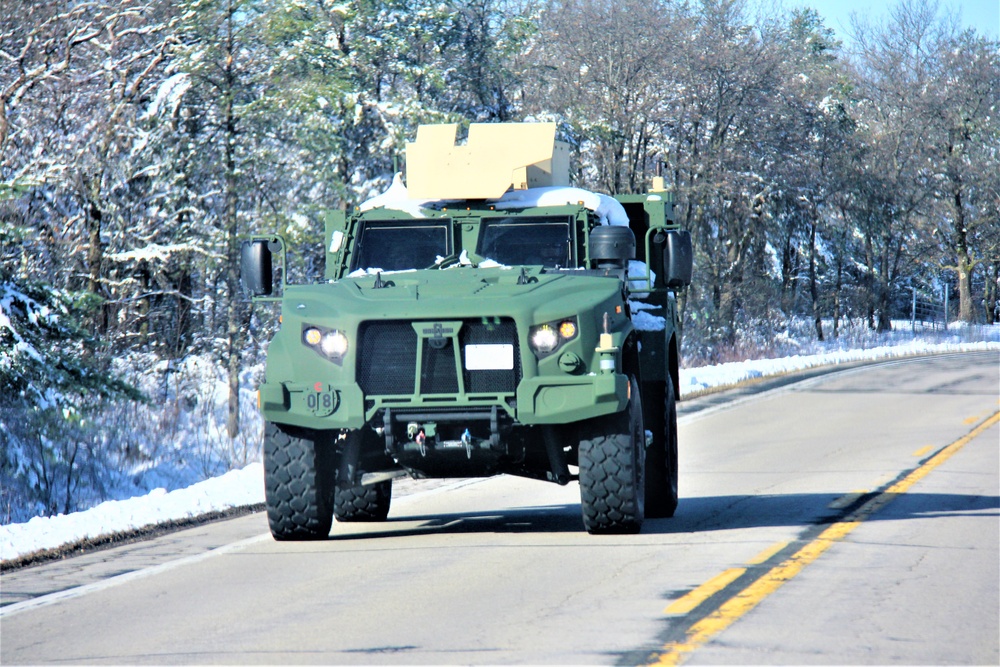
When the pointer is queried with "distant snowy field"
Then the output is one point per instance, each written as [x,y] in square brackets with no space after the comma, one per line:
[245,486]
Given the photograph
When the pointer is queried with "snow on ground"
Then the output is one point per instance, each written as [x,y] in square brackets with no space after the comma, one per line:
[706,377]
[243,487]
[236,488]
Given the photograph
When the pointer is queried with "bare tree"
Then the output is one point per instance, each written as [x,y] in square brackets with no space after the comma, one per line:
[962,105]
[893,187]
[603,68]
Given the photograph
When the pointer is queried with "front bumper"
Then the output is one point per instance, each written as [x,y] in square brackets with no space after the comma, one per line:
[538,400]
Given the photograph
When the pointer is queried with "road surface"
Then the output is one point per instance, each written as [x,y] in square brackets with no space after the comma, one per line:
[853,518]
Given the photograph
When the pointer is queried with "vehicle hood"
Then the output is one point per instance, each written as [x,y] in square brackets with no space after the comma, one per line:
[458,292]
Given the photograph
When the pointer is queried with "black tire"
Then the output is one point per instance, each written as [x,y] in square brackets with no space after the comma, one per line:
[612,487]
[299,475]
[352,501]
[661,461]
[363,503]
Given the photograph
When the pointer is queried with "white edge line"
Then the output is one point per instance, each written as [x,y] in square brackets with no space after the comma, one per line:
[86,589]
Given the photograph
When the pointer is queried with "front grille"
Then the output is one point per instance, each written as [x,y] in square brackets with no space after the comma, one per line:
[387,359]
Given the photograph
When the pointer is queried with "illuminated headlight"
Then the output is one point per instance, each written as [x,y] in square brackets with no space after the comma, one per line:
[545,339]
[330,343]
[333,344]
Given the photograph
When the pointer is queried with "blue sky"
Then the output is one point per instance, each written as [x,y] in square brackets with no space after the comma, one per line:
[983,15]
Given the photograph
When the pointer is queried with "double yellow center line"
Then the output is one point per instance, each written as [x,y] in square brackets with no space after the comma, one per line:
[703,630]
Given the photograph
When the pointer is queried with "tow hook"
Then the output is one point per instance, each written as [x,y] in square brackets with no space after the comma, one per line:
[467,441]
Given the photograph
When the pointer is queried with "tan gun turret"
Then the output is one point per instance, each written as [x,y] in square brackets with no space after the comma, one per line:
[496,158]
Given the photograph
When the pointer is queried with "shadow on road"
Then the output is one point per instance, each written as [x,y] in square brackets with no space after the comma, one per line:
[808,509]
[547,519]
[694,515]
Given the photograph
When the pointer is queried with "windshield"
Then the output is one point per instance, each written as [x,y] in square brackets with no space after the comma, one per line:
[398,245]
[520,241]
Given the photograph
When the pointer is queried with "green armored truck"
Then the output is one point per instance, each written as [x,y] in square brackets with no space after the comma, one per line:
[484,318]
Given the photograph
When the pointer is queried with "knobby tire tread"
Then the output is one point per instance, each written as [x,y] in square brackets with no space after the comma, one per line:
[363,503]
[298,484]
[611,489]
[661,462]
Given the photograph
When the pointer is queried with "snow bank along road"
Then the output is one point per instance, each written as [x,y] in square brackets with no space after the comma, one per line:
[851,518]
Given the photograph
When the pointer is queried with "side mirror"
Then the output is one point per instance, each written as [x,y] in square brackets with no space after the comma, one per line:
[256,270]
[678,259]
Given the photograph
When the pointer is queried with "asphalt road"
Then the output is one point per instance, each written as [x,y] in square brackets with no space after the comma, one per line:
[853,518]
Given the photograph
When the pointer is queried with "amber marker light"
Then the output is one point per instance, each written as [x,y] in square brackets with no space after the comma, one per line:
[567,329]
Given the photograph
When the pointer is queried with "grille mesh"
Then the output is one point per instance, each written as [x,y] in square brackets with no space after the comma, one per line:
[387,362]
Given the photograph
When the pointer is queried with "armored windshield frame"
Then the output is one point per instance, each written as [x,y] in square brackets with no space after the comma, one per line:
[503,249]
[408,243]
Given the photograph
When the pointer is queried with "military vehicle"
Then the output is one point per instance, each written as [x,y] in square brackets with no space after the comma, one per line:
[483,319]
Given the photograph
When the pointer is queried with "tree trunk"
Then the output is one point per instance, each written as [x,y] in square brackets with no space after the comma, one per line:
[869,282]
[964,263]
[3,124]
[813,287]
[836,299]
[95,258]
[728,288]
[142,307]
[990,292]
[965,311]
[183,322]
[884,290]
[71,472]
[234,336]
[789,272]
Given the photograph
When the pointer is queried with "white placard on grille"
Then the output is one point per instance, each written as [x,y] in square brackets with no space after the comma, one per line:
[489,357]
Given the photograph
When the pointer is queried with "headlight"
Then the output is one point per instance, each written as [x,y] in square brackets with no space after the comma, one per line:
[331,343]
[334,344]
[545,339]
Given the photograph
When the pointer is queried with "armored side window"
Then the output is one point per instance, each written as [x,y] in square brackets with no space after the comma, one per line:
[527,241]
[398,245]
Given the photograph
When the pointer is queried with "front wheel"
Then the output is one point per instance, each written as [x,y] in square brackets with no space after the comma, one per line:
[298,483]
[612,485]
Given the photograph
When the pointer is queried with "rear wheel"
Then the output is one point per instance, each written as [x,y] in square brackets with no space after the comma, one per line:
[353,501]
[363,503]
[298,483]
[612,488]
[661,461]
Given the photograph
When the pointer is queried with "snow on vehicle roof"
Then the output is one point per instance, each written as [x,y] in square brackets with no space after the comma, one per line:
[608,209]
